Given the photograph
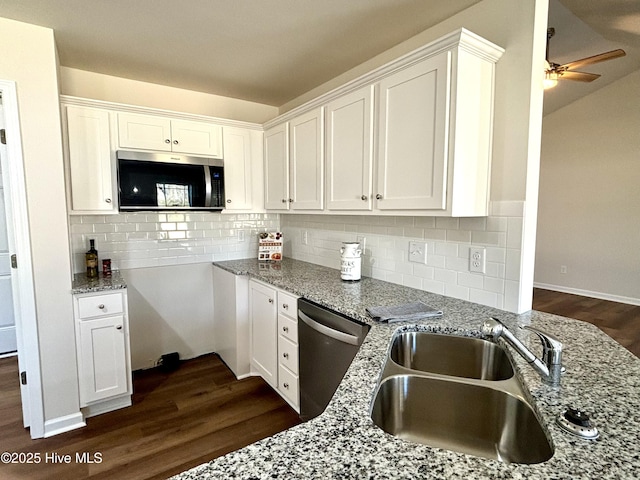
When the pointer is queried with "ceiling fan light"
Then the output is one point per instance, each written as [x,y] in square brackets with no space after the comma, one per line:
[550,79]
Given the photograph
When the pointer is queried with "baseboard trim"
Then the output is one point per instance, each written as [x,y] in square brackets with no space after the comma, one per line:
[588,293]
[64,424]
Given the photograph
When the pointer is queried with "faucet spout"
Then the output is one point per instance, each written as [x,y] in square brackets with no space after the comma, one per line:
[549,368]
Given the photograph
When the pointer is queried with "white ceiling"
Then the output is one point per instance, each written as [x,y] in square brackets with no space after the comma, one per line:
[271,51]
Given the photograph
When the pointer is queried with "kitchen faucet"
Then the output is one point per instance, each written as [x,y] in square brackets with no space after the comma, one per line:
[549,368]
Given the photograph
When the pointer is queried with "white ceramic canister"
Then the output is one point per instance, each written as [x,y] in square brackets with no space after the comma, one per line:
[350,261]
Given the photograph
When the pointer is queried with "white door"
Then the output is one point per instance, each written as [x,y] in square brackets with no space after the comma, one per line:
[412,140]
[306,137]
[350,151]
[7,319]
[144,131]
[264,332]
[276,167]
[196,138]
[237,169]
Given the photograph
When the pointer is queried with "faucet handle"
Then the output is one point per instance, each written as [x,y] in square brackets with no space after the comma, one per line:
[552,346]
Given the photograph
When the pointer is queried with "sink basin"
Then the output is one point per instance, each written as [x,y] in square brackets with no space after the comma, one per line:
[451,355]
[463,417]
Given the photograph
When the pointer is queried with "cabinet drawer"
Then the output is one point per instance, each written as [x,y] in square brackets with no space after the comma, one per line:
[288,354]
[98,305]
[288,327]
[287,304]
[288,385]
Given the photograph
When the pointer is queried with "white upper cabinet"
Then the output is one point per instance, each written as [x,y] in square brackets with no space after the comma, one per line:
[243,169]
[276,168]
[90,164]
[412,137]
[349,157]
[148,132]
[306,137]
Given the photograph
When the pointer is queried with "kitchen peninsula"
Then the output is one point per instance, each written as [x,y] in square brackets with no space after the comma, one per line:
[601,377]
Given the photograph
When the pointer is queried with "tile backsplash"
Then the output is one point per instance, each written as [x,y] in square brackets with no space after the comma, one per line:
[448,242]
[137,240]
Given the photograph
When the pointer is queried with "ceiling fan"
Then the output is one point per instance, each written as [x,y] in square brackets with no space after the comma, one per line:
[555,71]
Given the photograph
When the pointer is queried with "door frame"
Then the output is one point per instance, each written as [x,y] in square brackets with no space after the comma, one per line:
[22,277]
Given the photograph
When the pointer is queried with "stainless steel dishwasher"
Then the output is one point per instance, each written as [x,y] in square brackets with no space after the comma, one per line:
[327,341]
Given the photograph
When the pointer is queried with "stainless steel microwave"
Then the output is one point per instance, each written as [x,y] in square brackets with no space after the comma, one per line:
[164,181]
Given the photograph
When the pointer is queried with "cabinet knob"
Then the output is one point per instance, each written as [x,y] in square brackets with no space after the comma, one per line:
[108,200]
[101,306]
[285,385]
[119,327]
[364,198]
[291,200]
[378,197]
[228,200]
[285,306]
[284,200]
[285,329]
[271,300]
[285,355]
[175,142]
[166,140]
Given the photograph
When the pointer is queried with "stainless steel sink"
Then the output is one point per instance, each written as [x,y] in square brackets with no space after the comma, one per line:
[451,355]
[458,416]
[460,394]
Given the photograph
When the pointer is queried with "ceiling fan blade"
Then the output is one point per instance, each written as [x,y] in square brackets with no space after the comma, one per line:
[594,59]
[579,76]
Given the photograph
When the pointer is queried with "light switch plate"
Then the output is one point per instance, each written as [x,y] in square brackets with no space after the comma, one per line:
[418,252]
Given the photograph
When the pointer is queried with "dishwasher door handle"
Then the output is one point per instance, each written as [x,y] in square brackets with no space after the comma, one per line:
[329,332]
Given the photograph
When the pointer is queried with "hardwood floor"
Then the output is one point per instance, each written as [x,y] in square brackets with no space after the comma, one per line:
[178,421]
[620,321]
[199,412]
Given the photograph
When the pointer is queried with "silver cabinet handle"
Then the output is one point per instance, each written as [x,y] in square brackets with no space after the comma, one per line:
[119,327]
[364,198]
[285,355]
[271,300]
[285,385]
[108,200]
[285,329]
[101,306]
[166,140]
[378,197]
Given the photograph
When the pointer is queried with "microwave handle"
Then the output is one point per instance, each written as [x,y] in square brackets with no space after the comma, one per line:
[207,183]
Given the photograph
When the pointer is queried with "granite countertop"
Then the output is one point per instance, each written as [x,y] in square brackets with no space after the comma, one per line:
[602,378]
[83,284]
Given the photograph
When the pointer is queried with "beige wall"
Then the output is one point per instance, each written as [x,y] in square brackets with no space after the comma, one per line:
[519,27]
[29,59]
[80,83]
[589,211]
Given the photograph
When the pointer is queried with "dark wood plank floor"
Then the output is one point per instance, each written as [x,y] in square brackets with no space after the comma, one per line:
[620,321]
[200,412]
[178,421]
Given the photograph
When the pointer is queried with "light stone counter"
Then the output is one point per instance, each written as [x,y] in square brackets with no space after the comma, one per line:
[602,378]
[83,284]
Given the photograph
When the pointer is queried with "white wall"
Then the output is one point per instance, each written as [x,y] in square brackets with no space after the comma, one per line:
[29,59]
[170,310]
[80,83]
[589,210]
[520,28]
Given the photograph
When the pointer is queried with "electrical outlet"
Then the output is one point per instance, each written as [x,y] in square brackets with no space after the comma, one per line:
[241,235]
[563,269]
[305,237]
[418,252]
[477,256]
[363,242]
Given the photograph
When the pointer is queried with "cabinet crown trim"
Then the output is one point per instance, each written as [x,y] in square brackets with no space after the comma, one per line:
[123,107]
[462,38]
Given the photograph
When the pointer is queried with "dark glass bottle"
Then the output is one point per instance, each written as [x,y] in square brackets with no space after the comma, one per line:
[92,260]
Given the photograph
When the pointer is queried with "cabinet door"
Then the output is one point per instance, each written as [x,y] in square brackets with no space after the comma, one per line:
[144,131]
[237,169]
[91,180]
[103,366]
[412,141]
[264,336]
[306,137]
[276,168]
[350,151]
[196,138]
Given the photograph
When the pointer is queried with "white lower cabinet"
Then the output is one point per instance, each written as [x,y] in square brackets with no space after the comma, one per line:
[274,339]
[102,345]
